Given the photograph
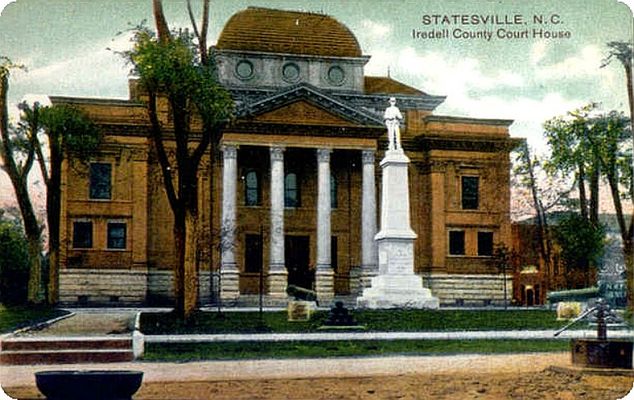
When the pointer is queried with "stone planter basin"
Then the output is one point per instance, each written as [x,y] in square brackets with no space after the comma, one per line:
[595,353]
[96,385]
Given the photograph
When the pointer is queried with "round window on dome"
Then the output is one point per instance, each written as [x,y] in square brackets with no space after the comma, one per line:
[244,69]
[290,72]
[336,76]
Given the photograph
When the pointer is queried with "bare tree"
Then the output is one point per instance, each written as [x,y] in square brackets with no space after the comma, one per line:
[18,144]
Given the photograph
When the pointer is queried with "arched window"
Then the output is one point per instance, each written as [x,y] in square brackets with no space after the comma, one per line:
[333,191]
[251,189]
[291,190]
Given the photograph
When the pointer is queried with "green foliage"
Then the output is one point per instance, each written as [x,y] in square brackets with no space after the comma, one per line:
[15,317]
[73,130]
[522,163]
[611,137]
[374,320]
[14,262]
[173,67]
[589,138]
[349,348]
[622,51]
[581,241]
[569,141]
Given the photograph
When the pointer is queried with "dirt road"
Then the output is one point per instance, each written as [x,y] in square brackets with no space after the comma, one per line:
[520,376]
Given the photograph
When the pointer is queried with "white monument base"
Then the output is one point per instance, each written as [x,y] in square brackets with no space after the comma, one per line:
[396,285]
[397,291]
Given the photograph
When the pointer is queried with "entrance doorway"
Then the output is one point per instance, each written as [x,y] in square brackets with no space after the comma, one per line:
[530,296]
[296,254]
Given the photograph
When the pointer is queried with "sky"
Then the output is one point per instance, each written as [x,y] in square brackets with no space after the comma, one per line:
[69,48]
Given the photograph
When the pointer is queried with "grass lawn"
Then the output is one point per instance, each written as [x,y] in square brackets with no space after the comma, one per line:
[12,318]
[307,349]
[374,320]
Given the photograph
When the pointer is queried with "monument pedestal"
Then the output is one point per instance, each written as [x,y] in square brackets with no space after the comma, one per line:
[396,285]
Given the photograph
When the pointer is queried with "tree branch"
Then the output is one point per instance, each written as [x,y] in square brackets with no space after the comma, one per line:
[202,42]
[42,162]
[6,148]
[208,134]
[192,19]
[28,163]
[202,34]
[33,128]
[162,29]
[157,136]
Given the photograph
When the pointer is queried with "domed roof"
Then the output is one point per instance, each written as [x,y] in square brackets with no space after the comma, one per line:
[279,31]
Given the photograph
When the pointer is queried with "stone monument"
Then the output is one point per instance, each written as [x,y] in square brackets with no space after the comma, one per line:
[396,285]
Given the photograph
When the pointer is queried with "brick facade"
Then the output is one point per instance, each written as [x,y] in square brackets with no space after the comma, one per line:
[131,253]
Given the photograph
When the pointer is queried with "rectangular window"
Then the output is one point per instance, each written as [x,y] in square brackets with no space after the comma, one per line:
[485,244]
[333,191]
[334,262]
[100,181]
[292,197]
[252,253]
[116,235]
[470,188]
[82,235]
[251,189]
[456,243]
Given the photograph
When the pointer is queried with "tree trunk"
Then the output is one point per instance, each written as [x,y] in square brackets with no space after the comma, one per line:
[53,208]
[542,221]
[628,243]
[630,92]
[180,238]
[162,29]
[594,194]
[33,234]
[626,237]
[186,272]
[190,265]
[53,275]
[19,176]
[628,254]
[583,200]
[35,295]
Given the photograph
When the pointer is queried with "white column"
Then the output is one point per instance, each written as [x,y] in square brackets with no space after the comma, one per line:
[230,276]
[369,257]
[324,276]
[277,269]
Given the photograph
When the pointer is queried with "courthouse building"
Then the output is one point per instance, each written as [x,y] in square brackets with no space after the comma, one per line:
[296,181]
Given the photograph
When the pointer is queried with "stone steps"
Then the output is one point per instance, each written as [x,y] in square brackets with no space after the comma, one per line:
[43,350]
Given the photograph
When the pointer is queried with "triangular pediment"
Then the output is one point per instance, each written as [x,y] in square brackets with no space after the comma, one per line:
[302,112]
[306,105]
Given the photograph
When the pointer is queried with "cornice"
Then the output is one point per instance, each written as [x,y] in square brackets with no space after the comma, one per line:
[467,120]
[309,93]
[424,142]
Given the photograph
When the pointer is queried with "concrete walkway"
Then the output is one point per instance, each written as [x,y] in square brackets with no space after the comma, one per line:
[332,336]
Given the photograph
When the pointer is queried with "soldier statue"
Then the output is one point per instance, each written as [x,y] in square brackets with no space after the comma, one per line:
[393,118]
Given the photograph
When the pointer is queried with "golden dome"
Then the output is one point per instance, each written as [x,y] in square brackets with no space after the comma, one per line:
[291,32]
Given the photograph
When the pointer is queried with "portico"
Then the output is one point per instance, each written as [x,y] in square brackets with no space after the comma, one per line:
[298,201]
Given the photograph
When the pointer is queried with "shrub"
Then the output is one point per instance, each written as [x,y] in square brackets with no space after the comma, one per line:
[14,262]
